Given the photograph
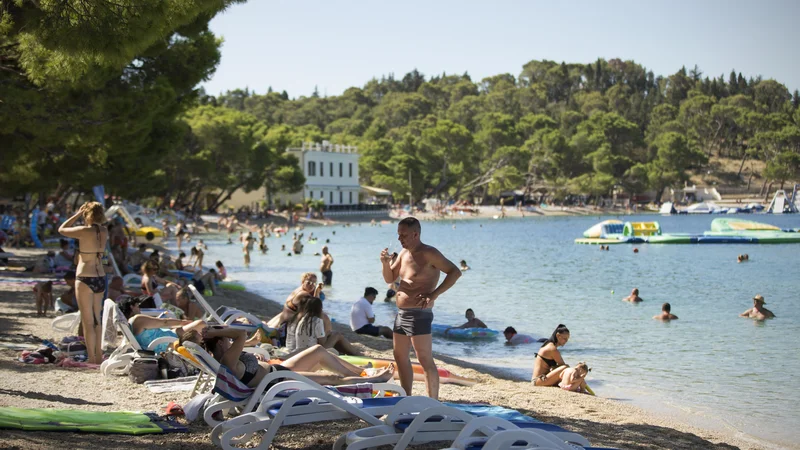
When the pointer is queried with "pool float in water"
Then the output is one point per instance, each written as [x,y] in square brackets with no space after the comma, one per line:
[445,376]
[232,286]
[463,333]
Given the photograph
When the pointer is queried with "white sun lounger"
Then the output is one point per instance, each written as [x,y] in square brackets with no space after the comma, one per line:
[119,360]
[407,426]
[210,367]
[494,433]
[213,316]
[306,406]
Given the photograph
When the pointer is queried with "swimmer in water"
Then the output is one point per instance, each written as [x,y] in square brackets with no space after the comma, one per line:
[665,315]
[464,265]
[634,297]
[758,311]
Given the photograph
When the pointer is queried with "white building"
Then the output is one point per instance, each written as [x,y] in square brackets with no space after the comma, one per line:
[331,173]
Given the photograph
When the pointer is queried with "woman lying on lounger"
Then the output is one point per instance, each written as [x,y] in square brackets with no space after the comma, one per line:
[226,345]
[548,363]
[146,329]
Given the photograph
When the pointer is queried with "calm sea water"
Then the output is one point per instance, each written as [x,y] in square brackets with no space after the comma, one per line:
[710,367]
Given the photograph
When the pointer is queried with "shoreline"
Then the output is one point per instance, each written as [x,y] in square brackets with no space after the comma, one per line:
[605,422]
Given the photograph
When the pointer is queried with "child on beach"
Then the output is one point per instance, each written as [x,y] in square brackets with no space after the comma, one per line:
[574,378]
[221,271]
[43,293]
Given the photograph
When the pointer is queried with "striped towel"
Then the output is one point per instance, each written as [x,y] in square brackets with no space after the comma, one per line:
[360,390]
[230,387]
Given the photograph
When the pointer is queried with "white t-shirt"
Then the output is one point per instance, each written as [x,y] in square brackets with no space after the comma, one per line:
[297,336]
[360,314]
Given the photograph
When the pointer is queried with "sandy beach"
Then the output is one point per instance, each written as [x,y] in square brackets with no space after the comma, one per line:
[605,422]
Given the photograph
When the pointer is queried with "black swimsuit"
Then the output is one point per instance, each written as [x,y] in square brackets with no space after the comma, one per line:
[96,284]
[550,362]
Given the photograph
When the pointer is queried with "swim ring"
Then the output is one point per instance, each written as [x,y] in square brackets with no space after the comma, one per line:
[463,333]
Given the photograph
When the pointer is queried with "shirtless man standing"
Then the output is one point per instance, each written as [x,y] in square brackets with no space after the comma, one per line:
[418,267]
[325,266]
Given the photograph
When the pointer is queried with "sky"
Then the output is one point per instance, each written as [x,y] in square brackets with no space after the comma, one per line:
[333,45]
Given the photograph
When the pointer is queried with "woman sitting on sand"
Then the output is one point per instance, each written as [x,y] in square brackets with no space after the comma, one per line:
[226,345]
[307,329]
[548,363]
[150,282]
[308,288]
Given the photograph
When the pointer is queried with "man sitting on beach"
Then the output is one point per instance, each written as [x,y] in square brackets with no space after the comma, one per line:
[514,338]
[68,298]
[758,311]
[472,322]
[362,318]
[419,267]
[665,315]
[634,297]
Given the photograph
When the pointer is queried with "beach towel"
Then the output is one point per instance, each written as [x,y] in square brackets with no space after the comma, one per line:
[40,419]
[174,385]
[230,387]
[360,390]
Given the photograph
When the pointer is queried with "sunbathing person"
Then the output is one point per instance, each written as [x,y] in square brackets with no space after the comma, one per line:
[226,345]
[184,301]
[307,329]
[91,280]
[116,288]
[308,288]
[150,282]
[146,329]
[548,363]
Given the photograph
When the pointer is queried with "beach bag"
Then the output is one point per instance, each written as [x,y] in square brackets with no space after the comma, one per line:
[177,367]
[143,369]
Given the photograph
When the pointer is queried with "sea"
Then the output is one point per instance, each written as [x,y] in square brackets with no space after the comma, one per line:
[710,368]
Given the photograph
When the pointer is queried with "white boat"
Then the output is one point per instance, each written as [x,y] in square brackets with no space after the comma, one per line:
[705,208]
[667,208]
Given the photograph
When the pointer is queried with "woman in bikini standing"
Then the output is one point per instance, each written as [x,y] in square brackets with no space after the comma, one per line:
[90,285]
[548,363]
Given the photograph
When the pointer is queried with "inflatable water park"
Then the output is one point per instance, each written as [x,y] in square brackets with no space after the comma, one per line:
[723,231]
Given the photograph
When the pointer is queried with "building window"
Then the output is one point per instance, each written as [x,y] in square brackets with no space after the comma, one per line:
[351,192]
[321,170]
[341,170]
[331,171]
[341,197]
[322,196]
[312,169]
[331,197]
[311,194]
[351,170]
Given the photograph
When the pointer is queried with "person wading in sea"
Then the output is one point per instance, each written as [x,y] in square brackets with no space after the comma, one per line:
[418,266]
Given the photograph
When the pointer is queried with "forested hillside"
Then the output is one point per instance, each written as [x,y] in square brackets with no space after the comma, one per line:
[108,95]
[578,128]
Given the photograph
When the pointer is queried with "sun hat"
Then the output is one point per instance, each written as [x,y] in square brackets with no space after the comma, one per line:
[759,298]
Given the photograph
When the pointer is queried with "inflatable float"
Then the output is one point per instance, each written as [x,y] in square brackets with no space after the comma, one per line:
[463,333]
[445,376]
[723,231]
[231,286]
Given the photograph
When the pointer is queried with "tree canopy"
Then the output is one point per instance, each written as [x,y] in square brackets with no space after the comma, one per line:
[106,93]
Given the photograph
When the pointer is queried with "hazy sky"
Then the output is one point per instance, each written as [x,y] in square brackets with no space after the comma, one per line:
[296,45]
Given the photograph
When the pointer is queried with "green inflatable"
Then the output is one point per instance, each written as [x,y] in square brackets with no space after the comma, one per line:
[41,419]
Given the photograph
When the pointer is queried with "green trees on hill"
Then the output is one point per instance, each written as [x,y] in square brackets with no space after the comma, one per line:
[107,95]
[575,128]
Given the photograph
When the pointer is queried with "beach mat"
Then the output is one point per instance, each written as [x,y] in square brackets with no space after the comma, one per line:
[173,385]
[39,419]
